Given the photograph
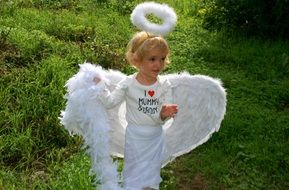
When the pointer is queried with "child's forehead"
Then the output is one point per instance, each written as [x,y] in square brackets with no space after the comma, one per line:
[156,51]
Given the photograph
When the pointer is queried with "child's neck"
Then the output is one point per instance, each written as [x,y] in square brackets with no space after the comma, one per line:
[144,80]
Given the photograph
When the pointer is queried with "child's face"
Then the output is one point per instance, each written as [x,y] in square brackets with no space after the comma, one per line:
[152,63]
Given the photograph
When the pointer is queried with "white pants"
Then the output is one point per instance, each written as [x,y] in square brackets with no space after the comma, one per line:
[144,148]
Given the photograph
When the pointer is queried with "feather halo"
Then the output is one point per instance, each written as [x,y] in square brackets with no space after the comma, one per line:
[161,11]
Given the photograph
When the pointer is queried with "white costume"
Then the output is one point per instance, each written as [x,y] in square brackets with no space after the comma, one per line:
[201,101]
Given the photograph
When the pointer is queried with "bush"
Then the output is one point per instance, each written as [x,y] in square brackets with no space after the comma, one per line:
[266,18]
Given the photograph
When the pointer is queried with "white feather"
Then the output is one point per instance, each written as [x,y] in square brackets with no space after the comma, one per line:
[202,106]
[85,115]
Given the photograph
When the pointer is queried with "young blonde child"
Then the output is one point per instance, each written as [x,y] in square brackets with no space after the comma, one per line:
[149,104]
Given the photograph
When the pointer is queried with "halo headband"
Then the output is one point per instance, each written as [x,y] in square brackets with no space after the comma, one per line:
[161,11]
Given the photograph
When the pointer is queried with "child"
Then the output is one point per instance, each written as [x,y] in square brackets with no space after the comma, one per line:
[148,105]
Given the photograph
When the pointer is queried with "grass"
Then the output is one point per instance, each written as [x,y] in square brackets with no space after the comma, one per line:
[41,45]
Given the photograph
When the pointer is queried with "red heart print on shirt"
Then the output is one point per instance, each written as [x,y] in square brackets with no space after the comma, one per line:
[151,93]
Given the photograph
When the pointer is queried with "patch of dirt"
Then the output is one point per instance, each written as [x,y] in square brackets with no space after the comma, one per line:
[8,52]
[197,183]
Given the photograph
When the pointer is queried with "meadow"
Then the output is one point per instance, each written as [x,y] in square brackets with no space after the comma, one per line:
[43,42]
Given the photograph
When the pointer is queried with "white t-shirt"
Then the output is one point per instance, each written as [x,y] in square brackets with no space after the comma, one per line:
[143,103]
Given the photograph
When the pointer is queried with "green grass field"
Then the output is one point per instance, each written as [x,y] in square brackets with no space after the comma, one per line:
[42,43]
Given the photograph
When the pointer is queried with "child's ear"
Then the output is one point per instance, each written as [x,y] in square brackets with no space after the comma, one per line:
[136,59]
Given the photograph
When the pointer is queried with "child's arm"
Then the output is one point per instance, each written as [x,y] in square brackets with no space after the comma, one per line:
[111,99]
[168,109]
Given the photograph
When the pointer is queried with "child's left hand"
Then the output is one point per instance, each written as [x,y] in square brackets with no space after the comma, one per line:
[168,110]
[96,80]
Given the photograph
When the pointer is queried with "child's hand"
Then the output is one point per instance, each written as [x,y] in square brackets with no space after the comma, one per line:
[168,110]
[96,80]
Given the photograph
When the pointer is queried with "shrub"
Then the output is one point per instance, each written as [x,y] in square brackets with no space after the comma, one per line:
[266,18]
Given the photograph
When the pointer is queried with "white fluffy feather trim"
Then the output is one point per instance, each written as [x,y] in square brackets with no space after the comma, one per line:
[161,11]
[86,116]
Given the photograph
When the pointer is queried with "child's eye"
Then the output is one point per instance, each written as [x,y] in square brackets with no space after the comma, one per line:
[152,59]
[163,58]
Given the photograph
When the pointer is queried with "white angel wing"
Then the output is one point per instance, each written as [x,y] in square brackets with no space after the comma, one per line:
[84,115]
[202,106]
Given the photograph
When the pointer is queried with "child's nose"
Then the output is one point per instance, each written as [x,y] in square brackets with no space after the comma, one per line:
[159,62]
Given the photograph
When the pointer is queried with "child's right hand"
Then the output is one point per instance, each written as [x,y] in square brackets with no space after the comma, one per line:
[168,111]
[96,80]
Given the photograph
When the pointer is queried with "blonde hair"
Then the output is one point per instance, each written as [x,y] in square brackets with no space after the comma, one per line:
[141,43]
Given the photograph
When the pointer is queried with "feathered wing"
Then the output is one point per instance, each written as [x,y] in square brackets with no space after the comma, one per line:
[202,106]
[84,115]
